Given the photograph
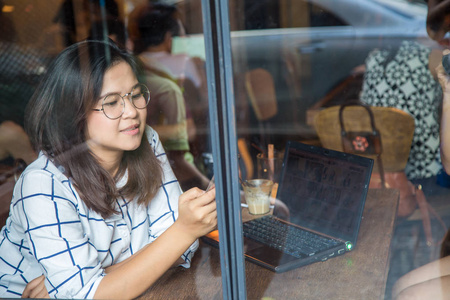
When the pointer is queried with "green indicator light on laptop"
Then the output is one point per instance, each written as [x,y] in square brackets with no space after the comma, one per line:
[348,246]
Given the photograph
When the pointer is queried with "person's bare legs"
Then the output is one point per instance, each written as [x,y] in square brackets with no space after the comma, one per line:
[431,281]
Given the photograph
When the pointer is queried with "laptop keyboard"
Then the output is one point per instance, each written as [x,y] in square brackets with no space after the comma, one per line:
[288,239]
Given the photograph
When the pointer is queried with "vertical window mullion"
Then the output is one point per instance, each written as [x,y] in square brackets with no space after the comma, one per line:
[224,146]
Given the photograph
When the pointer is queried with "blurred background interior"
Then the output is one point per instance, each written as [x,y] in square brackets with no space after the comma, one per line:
[291,60]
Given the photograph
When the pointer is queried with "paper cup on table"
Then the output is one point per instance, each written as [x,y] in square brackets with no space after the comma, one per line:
[257,195]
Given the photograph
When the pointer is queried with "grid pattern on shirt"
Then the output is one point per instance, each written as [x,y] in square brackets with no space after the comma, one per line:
[50,231]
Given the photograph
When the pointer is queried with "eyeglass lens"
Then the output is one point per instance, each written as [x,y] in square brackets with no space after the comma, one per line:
[114,104]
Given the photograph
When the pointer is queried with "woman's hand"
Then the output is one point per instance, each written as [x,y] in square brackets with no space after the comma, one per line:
[444,78]
[36,288]
[197,213]
[196,217]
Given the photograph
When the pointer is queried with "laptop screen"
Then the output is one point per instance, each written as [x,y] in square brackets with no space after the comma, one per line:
[324,190]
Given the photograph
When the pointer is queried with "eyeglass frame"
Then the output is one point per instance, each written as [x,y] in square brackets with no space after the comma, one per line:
[123,101]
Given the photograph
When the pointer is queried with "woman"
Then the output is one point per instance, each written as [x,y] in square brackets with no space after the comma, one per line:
[404,78]
[100,204]
[432,280]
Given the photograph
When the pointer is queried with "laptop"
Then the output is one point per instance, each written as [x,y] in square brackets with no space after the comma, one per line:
[321,197]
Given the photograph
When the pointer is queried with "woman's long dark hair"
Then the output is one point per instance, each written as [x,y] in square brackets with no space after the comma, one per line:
[56,123]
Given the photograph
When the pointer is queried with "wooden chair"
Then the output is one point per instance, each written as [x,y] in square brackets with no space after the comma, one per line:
[396,128]
[8,177]
[260,89]
[6,191]
[261,93]
[246,159]
[293,64]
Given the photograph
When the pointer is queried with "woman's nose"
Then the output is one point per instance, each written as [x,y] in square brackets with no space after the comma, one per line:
[130,110]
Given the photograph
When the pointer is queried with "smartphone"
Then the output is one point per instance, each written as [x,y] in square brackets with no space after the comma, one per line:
[210,185]
[446,63]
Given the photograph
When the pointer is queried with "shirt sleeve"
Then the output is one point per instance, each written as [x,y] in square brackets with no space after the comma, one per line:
[47,210]
[163,209]
[174,110]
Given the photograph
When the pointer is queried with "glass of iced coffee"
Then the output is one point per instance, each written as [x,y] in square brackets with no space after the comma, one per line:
[257,195]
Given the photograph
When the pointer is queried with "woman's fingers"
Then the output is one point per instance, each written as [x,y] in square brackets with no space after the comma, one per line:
[36,288]
[191,194]
[31,286]
[40,292]
[198,197]
[202,208]
[207,203]
[197,211]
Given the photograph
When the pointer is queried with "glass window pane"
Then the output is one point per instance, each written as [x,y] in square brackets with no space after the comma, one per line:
[295,63]
[166,41]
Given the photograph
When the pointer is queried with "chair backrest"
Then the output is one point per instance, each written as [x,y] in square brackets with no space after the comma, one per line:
[246,159]
[6,192]
[261,92]
[396,128]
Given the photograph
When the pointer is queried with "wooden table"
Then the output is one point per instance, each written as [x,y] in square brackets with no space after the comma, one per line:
[360,274]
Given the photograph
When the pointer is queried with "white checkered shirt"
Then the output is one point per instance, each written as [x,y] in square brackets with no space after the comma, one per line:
[51,231]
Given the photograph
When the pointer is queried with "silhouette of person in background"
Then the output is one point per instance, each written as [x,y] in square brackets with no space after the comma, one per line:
[404,78]
[168,113]
[158,25]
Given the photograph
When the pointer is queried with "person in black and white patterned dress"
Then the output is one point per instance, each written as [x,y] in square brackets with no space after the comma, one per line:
[402,79]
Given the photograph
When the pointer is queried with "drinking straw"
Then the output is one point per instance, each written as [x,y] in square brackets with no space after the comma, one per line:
[271,162]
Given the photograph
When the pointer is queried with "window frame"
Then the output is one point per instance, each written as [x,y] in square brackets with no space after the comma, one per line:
[224,146]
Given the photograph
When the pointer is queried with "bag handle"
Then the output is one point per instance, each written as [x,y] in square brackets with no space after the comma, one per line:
[369,111]
[375,132]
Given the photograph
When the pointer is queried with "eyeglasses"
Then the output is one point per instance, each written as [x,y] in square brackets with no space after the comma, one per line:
[113,105]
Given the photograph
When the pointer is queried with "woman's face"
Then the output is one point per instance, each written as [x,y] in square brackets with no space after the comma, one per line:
[107,138]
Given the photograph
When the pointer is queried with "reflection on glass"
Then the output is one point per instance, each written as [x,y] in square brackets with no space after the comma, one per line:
[290,60]
[322,54]
[33,34]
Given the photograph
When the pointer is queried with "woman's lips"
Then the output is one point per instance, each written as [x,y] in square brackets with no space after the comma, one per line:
[132,130]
